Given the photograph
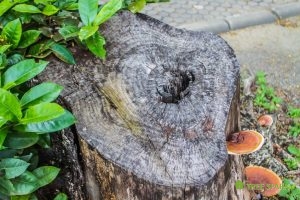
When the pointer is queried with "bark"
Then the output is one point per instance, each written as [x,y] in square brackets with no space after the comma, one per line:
[153,117]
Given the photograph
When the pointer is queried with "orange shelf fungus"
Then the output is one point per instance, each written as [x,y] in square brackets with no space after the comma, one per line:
[263,180]
[244,142]
[265,120]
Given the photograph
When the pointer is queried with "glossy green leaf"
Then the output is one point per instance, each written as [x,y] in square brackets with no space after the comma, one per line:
[3,134]
[8,153]
[28,38]
[69,31]
[45,174]
[18,140]
[40,50]
[14,59]
[20,197]
[44,92]
[42,112]
[3,48]
[13,167]
[87,31]
[71,6]
[25,184]
[137,6]
[62,53]
[43,2]
[96,45]
[50,10]
[9,106]
[26,158]
[87,10]
[33,197]
[61,196]
[3,63]
[6,186]
[25,8]
[2,121]
[44,141]
[21,72]
[13,31]
[5,5]
[59,123]
[107,11]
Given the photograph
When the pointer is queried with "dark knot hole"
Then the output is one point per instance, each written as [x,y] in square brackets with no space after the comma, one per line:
[177,87]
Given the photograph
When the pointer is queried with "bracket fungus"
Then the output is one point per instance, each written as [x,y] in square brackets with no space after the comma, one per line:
[244,142]
[265,120]
[269,181]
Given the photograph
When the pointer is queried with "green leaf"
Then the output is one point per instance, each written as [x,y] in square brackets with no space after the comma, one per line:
[294,150]
[5,5]
[21,72]
[33,197]
[107,11]
[71,6]
[9,106]
[87,10]
[25,8]
[137,6]
[59,123]
[20,140]
[13,31]
[62,53]
[14,59]
[3,134]
[3,63]
[13,167]
[44,141]
[87,31]
[44,92]
[42,112]
[3,48]
[6,186]
[69,31]
[8,153]
[43,2]
[61,196]
[50,10]
[45,174]
[96,45]
[41,49]
[20,197]
[25,184]
[28,38]
[2,121]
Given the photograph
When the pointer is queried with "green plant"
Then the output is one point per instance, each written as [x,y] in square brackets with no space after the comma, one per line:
[34,29]
[293,163]
[265,96]
[294,129]
[25,123]
[290,190]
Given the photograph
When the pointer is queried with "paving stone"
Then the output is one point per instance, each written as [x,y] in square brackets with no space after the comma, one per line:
[202,10]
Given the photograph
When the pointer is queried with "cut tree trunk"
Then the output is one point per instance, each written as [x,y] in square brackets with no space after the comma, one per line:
[152,118]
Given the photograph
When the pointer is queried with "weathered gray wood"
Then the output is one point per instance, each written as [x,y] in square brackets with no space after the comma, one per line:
[153,117]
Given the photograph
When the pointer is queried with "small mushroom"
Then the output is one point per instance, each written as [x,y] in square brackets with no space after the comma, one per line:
[270,182]
[244,142]
[265,120]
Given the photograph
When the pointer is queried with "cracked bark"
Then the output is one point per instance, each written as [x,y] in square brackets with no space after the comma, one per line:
[153,117]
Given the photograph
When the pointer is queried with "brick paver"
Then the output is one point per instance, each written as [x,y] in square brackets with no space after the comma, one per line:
[179,12]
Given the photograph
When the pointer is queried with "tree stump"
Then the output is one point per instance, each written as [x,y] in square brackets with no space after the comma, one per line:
[152,118]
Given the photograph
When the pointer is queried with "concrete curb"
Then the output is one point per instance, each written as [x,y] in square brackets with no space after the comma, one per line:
[242,21]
